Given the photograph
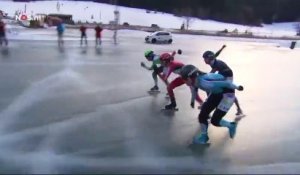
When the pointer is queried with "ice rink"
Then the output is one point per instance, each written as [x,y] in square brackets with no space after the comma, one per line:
[87,110]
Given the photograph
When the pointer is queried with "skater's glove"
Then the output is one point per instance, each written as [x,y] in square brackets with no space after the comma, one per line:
[192,104]
[240,88]
[143,64]
[179,51]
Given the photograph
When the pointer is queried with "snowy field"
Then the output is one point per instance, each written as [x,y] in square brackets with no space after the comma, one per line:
[83,11]
[87,110]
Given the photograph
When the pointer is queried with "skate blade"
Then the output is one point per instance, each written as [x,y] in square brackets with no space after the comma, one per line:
[164,109]
[154,92]
[197,147]
[239,117]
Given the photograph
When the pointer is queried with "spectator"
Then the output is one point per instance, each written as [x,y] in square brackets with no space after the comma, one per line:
[83,34]
[2,33]
[60,31]
[98,30]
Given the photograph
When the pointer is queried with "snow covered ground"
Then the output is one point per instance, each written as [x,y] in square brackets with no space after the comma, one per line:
[84,11]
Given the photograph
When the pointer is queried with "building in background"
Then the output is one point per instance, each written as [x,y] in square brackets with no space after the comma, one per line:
[3,14]
[54,19]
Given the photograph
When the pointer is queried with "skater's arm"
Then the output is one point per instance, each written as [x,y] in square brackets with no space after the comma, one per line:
[173,53]
[145,66]
[170,68]
[164,77]
[164,80]
[221,84]
[219,51]
[194,92]
[167,73]
[213,70]
[153,66]
[179,51]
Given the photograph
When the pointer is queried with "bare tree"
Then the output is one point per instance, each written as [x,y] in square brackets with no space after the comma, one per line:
[297,27]
[188,21]
[116,21]
[187,16]
[58,6]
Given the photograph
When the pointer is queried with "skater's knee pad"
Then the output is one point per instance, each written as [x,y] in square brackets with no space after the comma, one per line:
[203,118]
[154,74]
[217,117]
[169,88]
[215,121]
[155,70]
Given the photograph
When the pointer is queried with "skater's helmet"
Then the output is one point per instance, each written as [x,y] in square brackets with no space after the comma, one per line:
[208,55]
[188,71]
[148,53]
[166,57]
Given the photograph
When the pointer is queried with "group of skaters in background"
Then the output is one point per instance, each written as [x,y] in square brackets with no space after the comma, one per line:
[83,38]
[98,31]
[218,85]
[60,33]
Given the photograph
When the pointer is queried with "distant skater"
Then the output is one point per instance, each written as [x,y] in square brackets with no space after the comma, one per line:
[98,30]
[115,36]
[60,32]
[83,35]
[2,33]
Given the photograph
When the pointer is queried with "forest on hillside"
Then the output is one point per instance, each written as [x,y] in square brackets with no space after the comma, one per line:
[251,12]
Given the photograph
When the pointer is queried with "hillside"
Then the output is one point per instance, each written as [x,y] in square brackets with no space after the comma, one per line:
[100,12]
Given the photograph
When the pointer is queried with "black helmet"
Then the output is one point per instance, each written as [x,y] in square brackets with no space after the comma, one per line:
[188,71]
[208,54]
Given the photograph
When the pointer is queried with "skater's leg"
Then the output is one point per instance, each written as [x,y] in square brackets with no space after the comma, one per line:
[239,110]
[198,98]
[154,76]
[156,72]
[220,112]
[175,83]
[6,41]
[208,106]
